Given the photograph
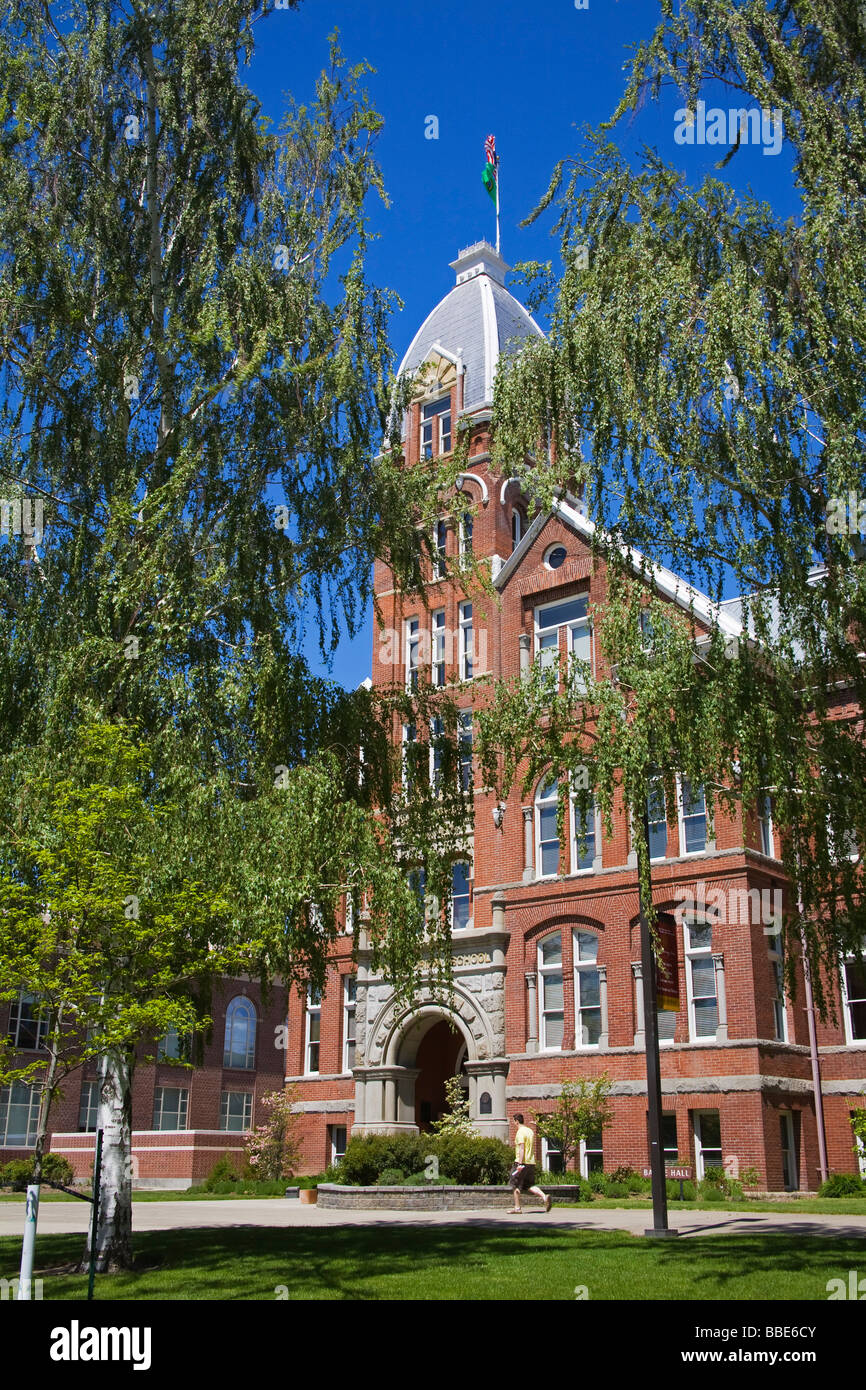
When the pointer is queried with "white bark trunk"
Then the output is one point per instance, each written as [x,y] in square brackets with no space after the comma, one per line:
[114,1228]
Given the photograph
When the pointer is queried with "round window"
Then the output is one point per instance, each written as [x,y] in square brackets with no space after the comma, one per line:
[556,556]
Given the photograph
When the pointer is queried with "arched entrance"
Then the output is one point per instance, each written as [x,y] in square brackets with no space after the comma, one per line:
[439,1055]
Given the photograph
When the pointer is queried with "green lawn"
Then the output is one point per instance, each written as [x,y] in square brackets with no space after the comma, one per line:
[451,1262]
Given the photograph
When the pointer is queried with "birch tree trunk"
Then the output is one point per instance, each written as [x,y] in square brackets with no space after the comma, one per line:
[114,1228]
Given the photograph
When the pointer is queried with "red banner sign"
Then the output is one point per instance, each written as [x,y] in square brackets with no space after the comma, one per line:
[667,965]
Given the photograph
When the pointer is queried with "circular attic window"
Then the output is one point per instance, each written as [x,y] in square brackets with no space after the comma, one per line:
[556,556]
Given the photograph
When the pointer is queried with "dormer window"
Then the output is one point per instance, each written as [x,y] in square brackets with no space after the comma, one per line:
[436,428]
[517,528]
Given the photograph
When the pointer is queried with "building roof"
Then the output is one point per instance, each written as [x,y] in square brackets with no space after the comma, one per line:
[474,323]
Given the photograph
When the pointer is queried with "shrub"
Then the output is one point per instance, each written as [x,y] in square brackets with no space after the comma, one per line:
[673,1189]
[597,1182]
[617,1189]
[623,1174]
[369,1155]
[19,1171]
[474,1160]
[390,1177]
[421,1180]
[843,1185]
[222,1175]
[714,1177]
[710,1191]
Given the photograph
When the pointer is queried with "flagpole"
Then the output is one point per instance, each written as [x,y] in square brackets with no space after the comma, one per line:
[497,205]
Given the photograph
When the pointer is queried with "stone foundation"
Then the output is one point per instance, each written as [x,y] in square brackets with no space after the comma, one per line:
[334,1195]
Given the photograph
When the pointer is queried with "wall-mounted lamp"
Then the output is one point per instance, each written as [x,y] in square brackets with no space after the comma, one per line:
[459,481]
[499,815]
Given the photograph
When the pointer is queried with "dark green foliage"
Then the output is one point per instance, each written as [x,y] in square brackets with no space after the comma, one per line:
[19,1172]
[225,1171]
[843,1185]
[390,1177]
[673,1191]
[462,1158]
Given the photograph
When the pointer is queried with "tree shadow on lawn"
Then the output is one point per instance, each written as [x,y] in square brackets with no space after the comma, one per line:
[339,1262]
[727,1262]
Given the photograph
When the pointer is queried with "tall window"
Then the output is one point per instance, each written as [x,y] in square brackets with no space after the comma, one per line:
[413,652]
[571,614]
[466,542]
[19,1114]
[239,1050]
[337,1142]
[516,528]
[170,1107]
[467,642]
[464,741]
[88,1107]
[437,753]
[587,996]
[417,880]
[669,1136]
[854,999]
[658,819]
[765,826]
[546,832]
[777,966]
[28,1022]
[701,976]
[350,993]
[583,846]
[592,1154]
[314,1030]
[175,1047]
[410,737]
[436,427]
[236,1111]
[437,646]
[708,1140]
[460,896]
[440,563]
[693,819]
[550,993]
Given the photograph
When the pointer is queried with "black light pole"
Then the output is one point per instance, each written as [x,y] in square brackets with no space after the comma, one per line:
[660,1225]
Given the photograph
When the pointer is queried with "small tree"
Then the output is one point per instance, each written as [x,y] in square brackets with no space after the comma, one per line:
[456,1119]
[858,1124]
[582,1111]
[274,1148]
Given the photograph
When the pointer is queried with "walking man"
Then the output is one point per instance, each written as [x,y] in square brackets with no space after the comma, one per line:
[523,1173]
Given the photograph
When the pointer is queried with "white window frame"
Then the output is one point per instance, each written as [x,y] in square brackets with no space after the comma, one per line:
[435,419]
[581,624]
[517,530]
[467,641]
[585,1153]
[159,1109]
[466,532]
[549,1151]
[584,967]
[573,826]
[859,1149]
[766,830]
[544,802]
[543,972]
[412,634]
[465,768]
[681,821]
[8,1098]
[246,1112]
[659,858]
[236,1005]
[350,1002]
[313,1009]
[468,866]
[408,740]
[437,647]
[440,549]
[333,1147]
[88,1107]
[700,1164]
[847,1002]
[780,1002]
[699,953]
[437,752]
[42,1021]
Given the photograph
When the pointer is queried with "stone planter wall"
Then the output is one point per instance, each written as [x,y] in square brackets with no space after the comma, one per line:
[443,1198]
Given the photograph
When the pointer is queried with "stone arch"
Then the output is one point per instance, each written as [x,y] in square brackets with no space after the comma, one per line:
[390,1030]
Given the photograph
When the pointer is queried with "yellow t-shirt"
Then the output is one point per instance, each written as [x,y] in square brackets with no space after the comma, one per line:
[525,1133]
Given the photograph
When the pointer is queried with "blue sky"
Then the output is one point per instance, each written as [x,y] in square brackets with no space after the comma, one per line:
[531,74]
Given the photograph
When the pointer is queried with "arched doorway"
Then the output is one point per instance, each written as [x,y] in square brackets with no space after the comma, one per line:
[438,1057]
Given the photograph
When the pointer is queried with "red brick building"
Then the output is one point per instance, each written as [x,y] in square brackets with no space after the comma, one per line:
[546,941]
[545,934]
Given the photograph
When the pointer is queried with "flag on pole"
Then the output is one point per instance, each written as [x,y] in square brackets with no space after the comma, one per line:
[489,176]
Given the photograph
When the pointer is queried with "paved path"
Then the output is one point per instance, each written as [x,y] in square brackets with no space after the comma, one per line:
[56,1217]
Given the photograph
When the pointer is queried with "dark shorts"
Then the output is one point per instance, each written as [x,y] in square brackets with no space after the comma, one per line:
[522,1178]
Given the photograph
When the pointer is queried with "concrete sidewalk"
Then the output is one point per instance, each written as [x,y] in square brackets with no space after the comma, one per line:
[58,1217]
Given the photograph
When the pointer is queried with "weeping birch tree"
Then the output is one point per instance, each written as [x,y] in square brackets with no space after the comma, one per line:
[196,388]
[704,386]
